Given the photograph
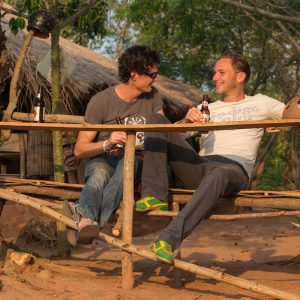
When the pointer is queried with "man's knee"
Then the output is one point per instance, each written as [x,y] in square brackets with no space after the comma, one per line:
[99,178]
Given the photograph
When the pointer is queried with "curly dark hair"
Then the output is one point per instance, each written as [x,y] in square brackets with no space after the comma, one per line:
[137,58]
[239,63]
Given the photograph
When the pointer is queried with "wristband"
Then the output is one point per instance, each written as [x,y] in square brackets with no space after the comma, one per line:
[104,144]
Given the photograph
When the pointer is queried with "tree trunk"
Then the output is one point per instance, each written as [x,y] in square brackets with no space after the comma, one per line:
[63,249]
[56,109]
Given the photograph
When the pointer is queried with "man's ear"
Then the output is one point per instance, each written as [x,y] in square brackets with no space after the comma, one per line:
[241,77]
[133,75]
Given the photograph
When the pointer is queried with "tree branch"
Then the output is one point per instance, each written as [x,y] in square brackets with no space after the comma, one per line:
[288,36]
[78,14]
[13,12]
[269,31]
[263,12]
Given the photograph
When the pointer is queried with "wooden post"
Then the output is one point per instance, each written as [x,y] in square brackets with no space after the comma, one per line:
[177,254]
[23,148]
[128,201]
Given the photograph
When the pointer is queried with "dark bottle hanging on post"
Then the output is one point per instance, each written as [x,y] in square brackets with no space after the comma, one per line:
[39,108]
[204,109]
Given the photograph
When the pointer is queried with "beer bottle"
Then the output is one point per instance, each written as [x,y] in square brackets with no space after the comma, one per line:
[39,108]
[204,109]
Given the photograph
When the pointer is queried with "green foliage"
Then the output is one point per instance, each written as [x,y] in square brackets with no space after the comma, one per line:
[275,174]
[86,27]
[190,35]
[27,6]
[16,24]
[32,5]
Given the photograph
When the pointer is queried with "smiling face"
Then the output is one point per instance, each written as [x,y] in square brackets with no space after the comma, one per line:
[144,82]
[228,81]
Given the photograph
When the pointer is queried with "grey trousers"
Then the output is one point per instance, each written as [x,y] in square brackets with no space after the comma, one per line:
[211,177]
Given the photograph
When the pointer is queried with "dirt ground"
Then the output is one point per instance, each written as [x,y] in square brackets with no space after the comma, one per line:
[241,248]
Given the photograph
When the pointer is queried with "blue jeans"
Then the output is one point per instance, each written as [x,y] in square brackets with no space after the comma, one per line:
[103,190]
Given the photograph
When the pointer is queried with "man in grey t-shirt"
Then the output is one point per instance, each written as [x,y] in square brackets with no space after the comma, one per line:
[128,102]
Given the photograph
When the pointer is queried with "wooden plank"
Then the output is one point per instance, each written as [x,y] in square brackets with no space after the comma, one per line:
[35,182]
[60,193]
[153,127]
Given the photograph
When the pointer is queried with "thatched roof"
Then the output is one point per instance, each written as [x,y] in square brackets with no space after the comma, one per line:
[92,73]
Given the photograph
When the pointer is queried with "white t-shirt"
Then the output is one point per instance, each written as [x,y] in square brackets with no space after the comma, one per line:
[239,144]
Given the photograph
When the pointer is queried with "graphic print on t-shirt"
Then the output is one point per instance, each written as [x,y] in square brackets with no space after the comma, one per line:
[242,113]
[137,119]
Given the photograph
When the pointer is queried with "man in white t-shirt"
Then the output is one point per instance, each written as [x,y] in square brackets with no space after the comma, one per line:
[226,157]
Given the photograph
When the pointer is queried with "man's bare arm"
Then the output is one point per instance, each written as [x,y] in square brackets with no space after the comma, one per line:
[86,147]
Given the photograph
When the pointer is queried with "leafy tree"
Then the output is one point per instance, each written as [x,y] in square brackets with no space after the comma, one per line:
[192,34]
[82,29]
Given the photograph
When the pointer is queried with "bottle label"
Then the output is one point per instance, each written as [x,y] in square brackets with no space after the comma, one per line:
[206,117]
[38,114]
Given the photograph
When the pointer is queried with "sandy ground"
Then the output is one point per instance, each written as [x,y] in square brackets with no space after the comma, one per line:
[241,248]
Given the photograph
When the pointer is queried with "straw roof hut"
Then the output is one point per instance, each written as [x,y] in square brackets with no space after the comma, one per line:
[84,73]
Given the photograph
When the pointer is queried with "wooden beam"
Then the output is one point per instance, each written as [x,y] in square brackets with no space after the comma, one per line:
[49,118]
[243,201]
[252,193]
[39,183]
[152,127]
[59,193]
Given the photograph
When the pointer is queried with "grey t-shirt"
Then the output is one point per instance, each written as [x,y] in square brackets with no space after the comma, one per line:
[106,106]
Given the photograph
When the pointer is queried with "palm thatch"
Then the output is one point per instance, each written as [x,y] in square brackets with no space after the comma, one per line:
[92,73]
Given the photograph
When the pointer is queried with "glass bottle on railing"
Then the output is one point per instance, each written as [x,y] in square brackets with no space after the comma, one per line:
[204,108]
[39,108]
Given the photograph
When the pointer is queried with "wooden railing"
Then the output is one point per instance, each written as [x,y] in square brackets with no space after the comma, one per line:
[128,192]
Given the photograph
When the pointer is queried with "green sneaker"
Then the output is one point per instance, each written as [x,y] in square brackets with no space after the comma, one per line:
[163,251]
[149,203]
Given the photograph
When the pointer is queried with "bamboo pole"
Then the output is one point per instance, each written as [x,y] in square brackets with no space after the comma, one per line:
[128,201]
[213,274]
